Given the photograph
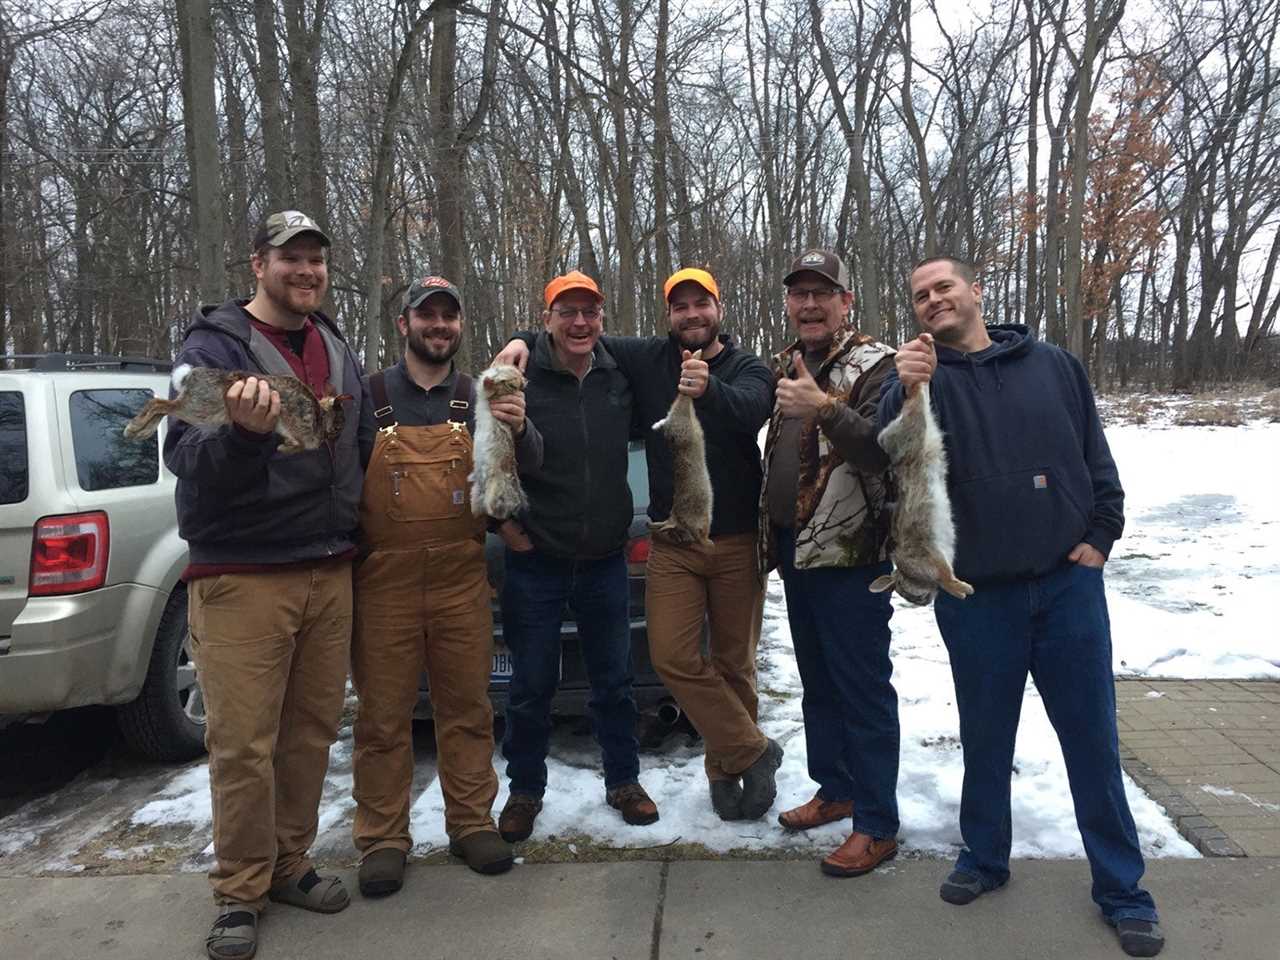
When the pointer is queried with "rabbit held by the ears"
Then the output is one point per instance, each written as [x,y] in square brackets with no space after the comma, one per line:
[924,538]
[690,518]
[495,482]
[304,423]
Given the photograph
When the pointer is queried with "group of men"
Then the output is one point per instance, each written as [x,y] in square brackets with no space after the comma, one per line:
[365,554]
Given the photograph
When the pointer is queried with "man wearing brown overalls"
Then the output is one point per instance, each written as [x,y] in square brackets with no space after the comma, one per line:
[422,595]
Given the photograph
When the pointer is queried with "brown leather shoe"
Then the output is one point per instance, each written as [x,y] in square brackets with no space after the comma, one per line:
[858,855]
[815,813]
[637,809]
[516,821]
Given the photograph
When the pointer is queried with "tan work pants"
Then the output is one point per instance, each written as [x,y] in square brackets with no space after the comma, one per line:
[422,599]
[272,652]
[685,584]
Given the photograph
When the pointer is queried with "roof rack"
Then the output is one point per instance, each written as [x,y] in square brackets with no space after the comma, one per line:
[82,361]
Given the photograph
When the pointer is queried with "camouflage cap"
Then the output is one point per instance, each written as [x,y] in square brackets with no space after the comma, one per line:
[279,228]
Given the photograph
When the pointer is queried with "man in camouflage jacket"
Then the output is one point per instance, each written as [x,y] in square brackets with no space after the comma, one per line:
[823,525]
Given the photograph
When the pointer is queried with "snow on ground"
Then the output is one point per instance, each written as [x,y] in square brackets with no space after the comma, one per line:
[1189,586]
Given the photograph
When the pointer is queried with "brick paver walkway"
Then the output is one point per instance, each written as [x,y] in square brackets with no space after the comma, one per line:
[1208,751]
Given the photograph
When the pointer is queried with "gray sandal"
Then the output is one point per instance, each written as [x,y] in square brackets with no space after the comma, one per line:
[234,935]
[310,891]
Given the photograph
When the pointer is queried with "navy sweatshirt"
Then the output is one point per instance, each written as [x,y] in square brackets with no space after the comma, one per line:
[1029,471]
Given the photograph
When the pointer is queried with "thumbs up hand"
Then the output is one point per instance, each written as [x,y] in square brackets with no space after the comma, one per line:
[800,396]
[694,374]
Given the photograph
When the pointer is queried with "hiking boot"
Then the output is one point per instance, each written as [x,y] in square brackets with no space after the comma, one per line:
[484,851]
[1139,938]
[961,888]
[234,935]
[382,872]
[815,813]
[726,799]
[637,809]
[759,782]
[516,821]
[312,892]
[858,855]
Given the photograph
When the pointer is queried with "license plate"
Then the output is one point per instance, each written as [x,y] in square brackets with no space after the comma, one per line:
[502,666]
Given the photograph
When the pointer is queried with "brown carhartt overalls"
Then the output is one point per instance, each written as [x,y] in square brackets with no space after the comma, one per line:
[421,598]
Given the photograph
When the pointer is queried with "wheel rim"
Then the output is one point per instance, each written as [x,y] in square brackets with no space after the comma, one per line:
[190,696]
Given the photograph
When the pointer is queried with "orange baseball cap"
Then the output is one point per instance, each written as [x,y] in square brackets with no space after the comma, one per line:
[703,279]
[573,280]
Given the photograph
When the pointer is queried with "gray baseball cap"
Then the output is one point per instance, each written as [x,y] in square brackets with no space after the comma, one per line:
[279,228]
[822,262]
[425,287]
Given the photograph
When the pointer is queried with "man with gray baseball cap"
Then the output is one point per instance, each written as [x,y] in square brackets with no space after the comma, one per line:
[823,525]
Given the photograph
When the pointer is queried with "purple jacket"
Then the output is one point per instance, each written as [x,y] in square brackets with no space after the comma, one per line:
[238,500]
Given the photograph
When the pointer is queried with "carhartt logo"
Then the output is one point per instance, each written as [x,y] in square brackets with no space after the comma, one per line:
[1040,481]
[814,257]
[457,498]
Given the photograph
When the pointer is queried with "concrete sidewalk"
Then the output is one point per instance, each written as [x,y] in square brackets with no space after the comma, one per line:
[1208,751]
[710,910]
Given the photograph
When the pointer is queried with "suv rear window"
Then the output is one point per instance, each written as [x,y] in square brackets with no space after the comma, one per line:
[13,447]
[104,458]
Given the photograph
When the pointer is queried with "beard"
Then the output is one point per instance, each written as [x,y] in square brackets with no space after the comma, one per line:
[427,353]
[293,300]
[698,338]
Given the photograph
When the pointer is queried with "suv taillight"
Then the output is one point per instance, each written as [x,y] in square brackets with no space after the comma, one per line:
[69,554]
[638,550]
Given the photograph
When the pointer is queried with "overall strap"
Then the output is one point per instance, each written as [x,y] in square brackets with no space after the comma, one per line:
[460,403]
[383,413]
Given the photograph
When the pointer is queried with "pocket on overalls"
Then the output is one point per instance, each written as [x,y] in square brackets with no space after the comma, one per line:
[426,486]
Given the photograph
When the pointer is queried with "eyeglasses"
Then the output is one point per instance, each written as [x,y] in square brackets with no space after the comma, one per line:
[587,313]
[820,295]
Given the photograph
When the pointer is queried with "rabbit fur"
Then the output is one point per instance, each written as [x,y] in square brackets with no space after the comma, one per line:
[304,423]
[495,482]
[924,537]
[690,518]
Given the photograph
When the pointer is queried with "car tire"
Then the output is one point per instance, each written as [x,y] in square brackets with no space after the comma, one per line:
[166,721]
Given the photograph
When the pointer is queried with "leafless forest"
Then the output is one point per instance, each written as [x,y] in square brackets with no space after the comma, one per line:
[1114,166]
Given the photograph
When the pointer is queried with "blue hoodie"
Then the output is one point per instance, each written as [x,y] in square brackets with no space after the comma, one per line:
[1029,471]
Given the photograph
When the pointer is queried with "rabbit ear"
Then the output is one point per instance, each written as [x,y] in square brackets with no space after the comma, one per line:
[881,584]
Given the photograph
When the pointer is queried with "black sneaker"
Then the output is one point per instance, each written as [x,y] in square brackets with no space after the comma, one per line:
[760,784]
[961,888]
[1139,938]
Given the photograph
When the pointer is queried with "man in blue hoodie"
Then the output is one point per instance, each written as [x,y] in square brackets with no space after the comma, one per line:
[1037,504]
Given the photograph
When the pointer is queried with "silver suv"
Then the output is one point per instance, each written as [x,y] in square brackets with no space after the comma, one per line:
[92,610]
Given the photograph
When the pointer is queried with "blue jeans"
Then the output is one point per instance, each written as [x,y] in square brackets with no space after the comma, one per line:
[1055,626]
[840,631]
[535,591]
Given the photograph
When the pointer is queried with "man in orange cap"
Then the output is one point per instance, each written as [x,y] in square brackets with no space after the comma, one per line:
[575,529]
[689,584]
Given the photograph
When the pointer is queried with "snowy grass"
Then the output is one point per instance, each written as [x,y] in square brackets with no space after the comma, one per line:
[1191,587]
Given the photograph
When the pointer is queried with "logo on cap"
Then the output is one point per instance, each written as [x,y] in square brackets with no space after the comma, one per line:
[434,282]
[814,256]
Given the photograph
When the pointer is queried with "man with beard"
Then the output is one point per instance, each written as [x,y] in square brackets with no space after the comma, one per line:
[688,585]
[422,595]
[271,537]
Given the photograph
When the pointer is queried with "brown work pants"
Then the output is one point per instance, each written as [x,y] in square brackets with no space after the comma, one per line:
[414,608]
[272,652]
[686,584]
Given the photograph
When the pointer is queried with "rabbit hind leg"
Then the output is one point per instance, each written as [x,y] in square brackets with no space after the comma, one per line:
[947,580]
[148,419]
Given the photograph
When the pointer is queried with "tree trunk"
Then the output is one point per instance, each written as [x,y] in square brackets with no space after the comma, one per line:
[302,39]
[267,82]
